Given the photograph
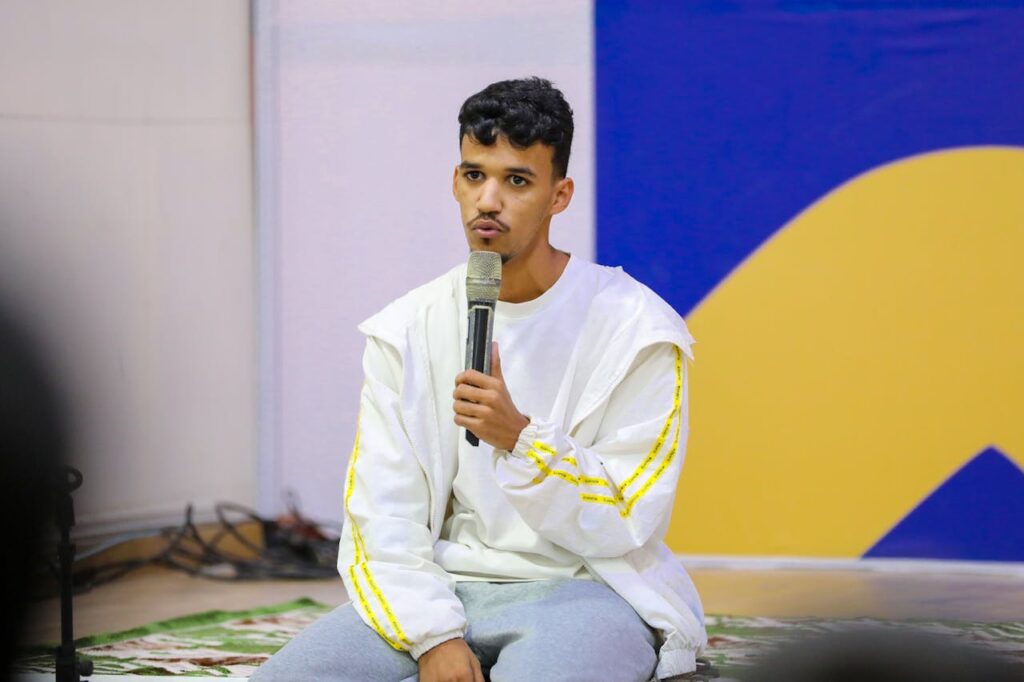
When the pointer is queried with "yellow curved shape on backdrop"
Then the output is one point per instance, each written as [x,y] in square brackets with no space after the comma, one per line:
[858,359]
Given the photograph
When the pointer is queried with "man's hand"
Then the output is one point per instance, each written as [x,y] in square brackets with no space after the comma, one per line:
[451,661]
[483,405]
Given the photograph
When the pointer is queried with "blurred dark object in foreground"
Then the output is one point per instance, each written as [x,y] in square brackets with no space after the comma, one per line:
[33,443]
[883,655]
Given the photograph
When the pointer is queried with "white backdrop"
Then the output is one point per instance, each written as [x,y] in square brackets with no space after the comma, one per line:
[357,141]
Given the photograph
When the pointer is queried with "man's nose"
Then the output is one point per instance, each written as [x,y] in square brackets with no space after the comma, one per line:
[489,200]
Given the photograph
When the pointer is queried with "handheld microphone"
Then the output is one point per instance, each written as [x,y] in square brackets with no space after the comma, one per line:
[483,283]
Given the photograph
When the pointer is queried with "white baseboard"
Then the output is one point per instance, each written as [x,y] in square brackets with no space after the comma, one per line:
[150,520]
[906,566]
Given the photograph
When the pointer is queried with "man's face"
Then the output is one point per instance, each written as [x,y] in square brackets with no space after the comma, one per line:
[507,196]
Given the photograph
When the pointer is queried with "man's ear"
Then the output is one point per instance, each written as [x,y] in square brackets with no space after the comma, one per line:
[563,195]
[455,182]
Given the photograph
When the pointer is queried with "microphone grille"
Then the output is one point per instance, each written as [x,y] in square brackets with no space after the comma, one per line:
[483,276]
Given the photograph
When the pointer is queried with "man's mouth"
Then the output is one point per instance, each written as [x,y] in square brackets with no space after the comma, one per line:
[487,228]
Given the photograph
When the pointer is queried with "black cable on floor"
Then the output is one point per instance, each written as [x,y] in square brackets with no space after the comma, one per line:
[294,548]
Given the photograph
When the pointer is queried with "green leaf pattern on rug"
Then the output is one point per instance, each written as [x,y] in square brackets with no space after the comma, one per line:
[210,644]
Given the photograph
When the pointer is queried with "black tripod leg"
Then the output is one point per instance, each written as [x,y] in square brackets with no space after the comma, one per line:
[69,667]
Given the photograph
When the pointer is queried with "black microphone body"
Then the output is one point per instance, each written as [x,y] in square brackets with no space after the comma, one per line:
[483,283]
[478,346]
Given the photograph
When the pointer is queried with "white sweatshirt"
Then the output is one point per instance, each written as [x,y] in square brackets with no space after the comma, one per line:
[484,537]
[592,477]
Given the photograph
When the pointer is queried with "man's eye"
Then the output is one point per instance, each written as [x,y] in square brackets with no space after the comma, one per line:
[473,175]
[518,181]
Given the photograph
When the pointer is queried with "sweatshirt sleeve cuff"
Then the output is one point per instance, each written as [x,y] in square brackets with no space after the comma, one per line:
[426,645]
[526,439]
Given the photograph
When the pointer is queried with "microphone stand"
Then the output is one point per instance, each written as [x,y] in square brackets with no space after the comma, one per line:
[69,667]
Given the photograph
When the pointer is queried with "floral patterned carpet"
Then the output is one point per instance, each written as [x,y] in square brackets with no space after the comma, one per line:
[231,644]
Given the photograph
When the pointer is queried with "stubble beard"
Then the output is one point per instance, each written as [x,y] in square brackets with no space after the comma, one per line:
[486,245]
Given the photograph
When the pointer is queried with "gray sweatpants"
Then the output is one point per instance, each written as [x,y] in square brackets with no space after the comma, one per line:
[557,630]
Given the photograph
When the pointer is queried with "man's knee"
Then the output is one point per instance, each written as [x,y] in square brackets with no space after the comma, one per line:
[597,617]
[338,647]
[584,632]
[616,646]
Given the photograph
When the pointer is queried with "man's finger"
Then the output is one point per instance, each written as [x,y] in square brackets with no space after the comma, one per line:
[474,378]
[478,675]
[472,393]
[496,362]
[468,409]
[470,423]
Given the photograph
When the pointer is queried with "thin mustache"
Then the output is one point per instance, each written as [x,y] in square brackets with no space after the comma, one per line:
[503,226]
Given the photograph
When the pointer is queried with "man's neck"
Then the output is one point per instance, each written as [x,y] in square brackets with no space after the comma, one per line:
[526,280]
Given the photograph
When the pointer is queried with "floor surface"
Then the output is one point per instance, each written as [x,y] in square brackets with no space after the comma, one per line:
[158,594]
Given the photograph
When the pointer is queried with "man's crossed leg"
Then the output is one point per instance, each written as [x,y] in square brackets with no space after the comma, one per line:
[557,630]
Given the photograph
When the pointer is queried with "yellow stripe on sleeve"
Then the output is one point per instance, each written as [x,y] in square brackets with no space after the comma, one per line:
[369,612]
[617,499]
[657,472]
[544,447]
[385,606]
[600,499]
[361,561]
[350,483]
[546,471]
[670,455]
[676,402]
[564,475]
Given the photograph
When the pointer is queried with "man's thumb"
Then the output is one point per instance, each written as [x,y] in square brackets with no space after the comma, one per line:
[495,361]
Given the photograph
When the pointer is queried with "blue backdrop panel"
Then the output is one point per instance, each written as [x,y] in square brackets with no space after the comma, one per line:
[718,122]
[966,517]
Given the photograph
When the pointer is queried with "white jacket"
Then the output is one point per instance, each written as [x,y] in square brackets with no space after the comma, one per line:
[598,486]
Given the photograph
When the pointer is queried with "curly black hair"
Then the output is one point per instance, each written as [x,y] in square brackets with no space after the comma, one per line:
[526,110]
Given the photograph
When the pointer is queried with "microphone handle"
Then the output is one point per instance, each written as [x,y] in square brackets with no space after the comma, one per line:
[478,346]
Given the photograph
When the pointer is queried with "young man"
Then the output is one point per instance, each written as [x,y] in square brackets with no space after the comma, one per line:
[536,555]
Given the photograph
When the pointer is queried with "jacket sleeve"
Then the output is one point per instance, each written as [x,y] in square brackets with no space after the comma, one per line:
[386,553]
[610,497]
